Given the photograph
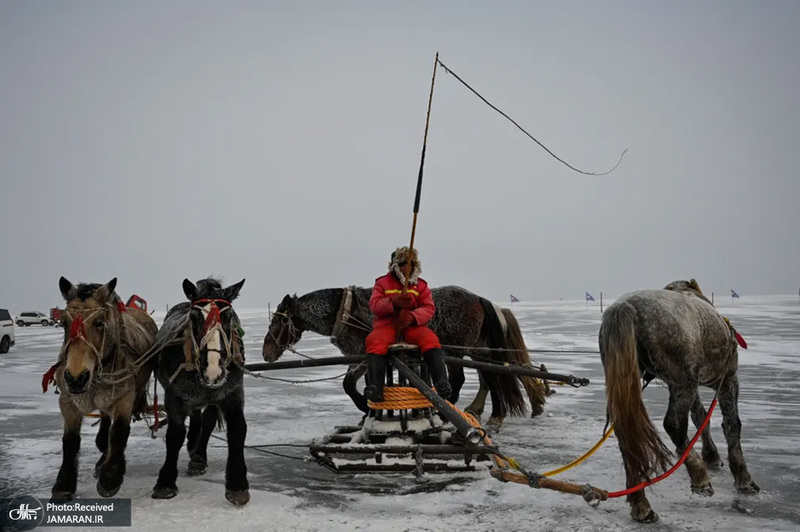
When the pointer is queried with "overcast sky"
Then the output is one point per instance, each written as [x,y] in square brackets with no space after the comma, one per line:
[280,142]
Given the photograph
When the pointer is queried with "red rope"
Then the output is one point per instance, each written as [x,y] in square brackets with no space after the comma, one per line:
[652,481]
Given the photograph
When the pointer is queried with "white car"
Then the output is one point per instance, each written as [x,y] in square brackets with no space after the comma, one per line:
[33,318]
[6,331]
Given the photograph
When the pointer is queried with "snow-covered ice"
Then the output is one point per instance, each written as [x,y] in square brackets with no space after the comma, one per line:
[289,494]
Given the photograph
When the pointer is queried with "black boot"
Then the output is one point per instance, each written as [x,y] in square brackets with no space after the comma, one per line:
[437,368]
[376,374]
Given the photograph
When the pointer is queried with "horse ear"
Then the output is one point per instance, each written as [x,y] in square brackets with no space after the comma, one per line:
[103,293]
[68,290]
[286,302]
[232,292]
[189,289]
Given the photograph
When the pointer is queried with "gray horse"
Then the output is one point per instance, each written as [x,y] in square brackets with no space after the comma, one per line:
[677,336]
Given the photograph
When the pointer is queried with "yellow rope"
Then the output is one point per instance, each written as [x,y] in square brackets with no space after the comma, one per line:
[586,455]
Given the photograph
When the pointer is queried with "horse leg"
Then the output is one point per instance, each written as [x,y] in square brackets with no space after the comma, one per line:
[166,487]
[495,420]
[710,453]
[732,427]
[641,510]
[67,479]
[456,374]
[112,471]
[350,385]
[536,394]
[101,441]
[676,422]
[237,489]
[198,457]
[479,402]
[193,436]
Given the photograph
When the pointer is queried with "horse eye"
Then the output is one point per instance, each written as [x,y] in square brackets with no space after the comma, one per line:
[99,325]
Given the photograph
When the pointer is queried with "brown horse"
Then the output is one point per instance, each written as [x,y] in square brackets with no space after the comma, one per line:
[677,336]
[96,370]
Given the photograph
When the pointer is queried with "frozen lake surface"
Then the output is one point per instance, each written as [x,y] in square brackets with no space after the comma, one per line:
[290,494]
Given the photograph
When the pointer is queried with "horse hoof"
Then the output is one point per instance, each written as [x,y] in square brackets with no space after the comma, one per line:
[494,424]
[750,488]
[536,411]
[651,517]
[706,491]
[164,492]
[196,468]
[473,414]
[238,498]
[61,495]
[107,491]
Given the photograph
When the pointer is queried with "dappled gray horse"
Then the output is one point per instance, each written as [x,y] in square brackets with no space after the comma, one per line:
[677,336]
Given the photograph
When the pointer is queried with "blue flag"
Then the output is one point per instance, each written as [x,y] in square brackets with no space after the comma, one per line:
[589,297]
[734,294]
[514,299]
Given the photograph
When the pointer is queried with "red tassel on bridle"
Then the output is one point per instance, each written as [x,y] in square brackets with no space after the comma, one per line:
[213,317]
[76,329]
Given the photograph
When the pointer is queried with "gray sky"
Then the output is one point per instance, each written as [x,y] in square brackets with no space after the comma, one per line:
[280,142]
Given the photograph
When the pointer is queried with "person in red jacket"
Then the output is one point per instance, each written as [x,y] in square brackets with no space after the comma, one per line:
[407,313]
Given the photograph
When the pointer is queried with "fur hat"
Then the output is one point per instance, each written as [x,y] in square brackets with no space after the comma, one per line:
[401,255]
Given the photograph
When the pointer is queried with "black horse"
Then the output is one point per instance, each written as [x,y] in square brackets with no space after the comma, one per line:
[462,319]
[202,367]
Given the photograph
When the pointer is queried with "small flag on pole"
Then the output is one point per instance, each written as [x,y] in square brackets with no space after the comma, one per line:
[514,299]
[589,297]
[734,294]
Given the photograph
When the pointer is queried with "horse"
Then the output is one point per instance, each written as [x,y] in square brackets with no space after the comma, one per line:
[201,366]
[98,369]
[462,319]
[677,336]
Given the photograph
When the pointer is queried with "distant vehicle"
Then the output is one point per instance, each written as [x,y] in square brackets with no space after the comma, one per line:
[6,331]
[134,301]
[55,315]
[33,318]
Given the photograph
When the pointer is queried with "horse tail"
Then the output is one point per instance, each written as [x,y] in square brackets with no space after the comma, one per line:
[642,449]
[520,357]
[504,387]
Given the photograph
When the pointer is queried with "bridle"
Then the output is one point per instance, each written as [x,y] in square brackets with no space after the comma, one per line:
[212,324]
[77,334]
[287,325]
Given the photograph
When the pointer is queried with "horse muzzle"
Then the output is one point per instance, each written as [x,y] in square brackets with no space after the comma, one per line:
[218,382]
[271,352]
[78,385]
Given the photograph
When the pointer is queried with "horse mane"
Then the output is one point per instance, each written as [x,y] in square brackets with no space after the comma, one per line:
[690,288]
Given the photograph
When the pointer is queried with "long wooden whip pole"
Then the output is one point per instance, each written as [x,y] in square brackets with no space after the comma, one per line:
[419,177]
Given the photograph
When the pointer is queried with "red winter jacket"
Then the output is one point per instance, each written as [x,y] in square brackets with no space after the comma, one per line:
[389,286]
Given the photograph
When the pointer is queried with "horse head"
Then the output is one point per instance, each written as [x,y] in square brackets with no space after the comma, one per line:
[690,288]
[214,328]
[92,326]
[285,329]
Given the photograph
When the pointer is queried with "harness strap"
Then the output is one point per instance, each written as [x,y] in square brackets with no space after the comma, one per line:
[343,314]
